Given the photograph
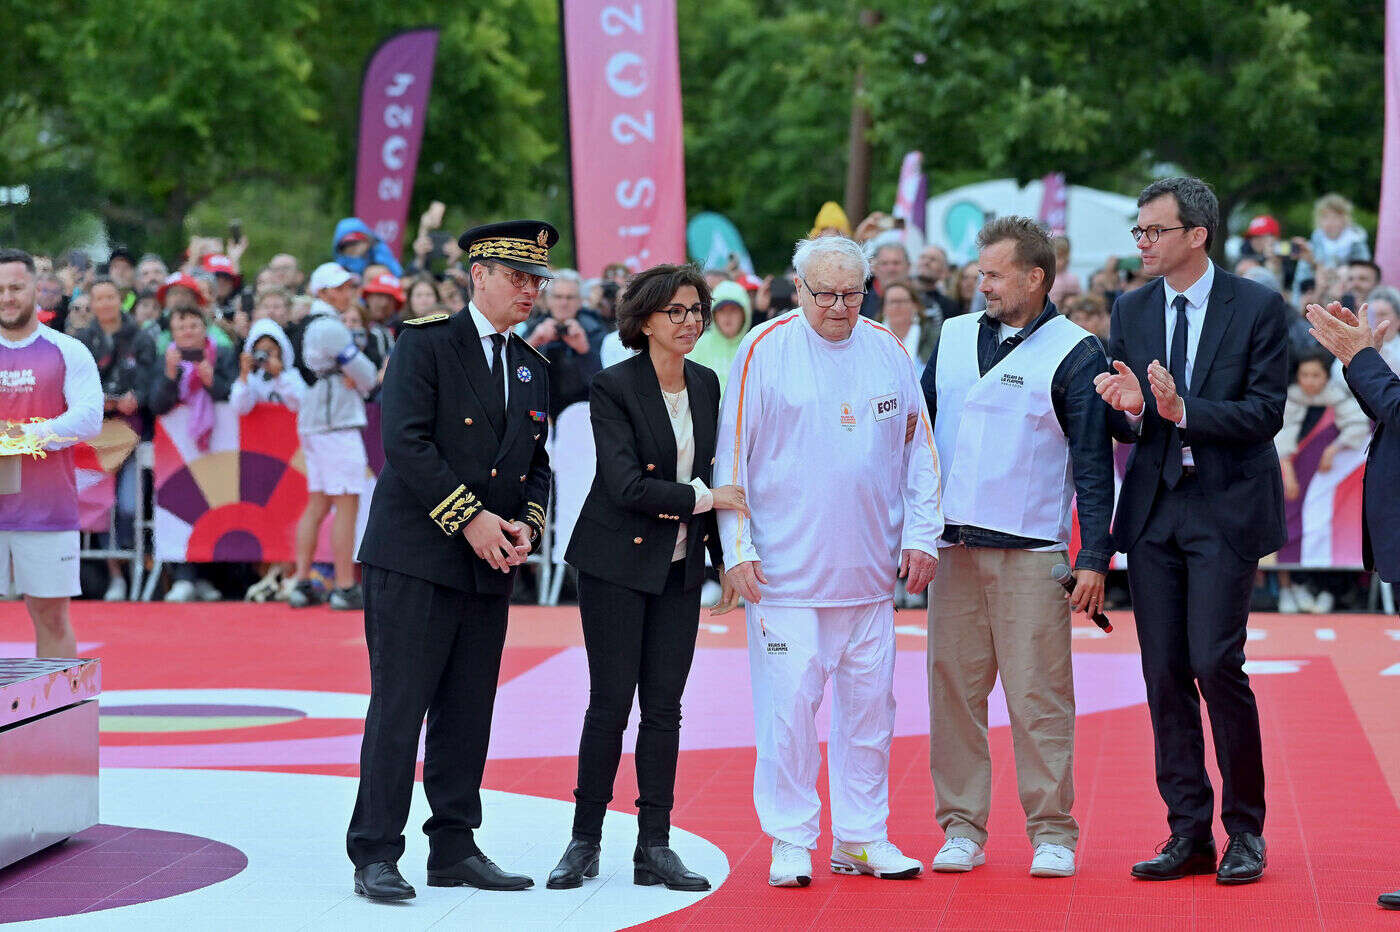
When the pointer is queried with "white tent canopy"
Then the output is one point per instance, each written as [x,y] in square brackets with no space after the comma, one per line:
[1097,222]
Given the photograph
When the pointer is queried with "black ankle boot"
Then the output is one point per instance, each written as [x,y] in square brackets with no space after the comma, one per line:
[654,864]
[580,860]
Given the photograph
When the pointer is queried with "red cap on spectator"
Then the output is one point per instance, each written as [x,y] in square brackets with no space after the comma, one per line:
[386,284]
[180,280]
[355,236]
[750,282]
[219,264]
[1263,225]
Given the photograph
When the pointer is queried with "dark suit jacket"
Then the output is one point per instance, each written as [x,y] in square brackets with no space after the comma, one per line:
[443,463]
[1377,390]
[626,532]
[1234,408]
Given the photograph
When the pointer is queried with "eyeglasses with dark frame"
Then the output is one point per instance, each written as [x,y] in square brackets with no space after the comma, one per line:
[1154,233]
[519,279]
[829,298]
[679,312]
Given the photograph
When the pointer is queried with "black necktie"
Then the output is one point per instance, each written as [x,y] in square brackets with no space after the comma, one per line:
[1171,468]
[498,384]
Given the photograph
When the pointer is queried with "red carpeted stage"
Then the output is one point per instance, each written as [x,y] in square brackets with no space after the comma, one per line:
[230,732]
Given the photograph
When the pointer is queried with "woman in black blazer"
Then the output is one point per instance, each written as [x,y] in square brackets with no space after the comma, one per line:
[639,549]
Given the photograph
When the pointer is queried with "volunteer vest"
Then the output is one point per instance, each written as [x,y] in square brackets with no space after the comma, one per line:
[1003,454]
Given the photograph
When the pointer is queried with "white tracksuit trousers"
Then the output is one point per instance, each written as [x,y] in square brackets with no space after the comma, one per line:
[793,651]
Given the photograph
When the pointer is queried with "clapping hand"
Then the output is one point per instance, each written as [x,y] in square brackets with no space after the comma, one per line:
[1120,388]
[1164,390]
[1343,333]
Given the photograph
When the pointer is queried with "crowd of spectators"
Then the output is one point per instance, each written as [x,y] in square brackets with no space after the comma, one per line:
[207,329]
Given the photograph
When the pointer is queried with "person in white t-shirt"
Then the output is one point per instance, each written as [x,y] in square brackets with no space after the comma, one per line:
[813,427]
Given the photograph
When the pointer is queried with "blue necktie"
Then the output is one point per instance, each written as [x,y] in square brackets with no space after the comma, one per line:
[1172,468]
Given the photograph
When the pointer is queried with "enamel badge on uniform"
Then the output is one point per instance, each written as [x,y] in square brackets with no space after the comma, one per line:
[537,416]
[523,374]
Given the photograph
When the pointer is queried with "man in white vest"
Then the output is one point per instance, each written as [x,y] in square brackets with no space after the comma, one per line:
[1020,430]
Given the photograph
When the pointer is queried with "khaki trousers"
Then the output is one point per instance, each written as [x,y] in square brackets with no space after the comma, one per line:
[996,611]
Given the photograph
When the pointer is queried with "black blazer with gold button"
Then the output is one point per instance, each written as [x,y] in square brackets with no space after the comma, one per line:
[444,462]
[626,532]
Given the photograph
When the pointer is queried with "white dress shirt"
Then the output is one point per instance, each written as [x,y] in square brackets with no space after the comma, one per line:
[486,328]
[1197,298]
[678,410]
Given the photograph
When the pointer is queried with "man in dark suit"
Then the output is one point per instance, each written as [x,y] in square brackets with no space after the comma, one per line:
[459,505]
[1201,502]
[1348,336]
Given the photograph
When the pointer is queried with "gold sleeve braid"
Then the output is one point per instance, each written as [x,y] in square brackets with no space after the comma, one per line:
[534,516]
[456,510]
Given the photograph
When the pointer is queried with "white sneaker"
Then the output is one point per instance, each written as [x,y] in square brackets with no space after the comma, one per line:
[1287,601]
[1052,861]
[1323,602]
[181,590]
[878,858]
[959,855]
[1305,600]
[791,867]
[207,591]
[116,589]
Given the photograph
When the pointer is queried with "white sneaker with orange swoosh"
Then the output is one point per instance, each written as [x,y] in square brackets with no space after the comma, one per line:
[877,858]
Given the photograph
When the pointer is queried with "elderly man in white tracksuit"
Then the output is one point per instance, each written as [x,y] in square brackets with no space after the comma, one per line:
[823,424]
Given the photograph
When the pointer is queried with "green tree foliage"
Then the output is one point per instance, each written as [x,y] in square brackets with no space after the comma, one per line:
[160,112]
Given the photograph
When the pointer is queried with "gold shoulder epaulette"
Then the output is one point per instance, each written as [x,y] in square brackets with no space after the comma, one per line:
[521,340]
[426,319]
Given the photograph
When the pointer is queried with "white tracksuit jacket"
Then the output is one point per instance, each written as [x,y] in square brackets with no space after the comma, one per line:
[814,432]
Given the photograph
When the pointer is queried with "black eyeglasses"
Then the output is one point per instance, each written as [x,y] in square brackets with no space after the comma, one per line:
[521,279]
[679,312]
[1154,233]
[829,298]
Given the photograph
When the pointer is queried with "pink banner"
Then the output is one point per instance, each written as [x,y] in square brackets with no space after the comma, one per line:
[393,109]
[626,149]
[1388,224]
[911,195]
[1053,198]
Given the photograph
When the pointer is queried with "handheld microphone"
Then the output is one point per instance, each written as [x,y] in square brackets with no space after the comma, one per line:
[1063,575]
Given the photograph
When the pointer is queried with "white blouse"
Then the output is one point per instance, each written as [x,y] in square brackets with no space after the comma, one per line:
[678,409]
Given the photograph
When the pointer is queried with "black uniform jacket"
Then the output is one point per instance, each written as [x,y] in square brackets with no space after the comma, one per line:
[443,462]
[626,532]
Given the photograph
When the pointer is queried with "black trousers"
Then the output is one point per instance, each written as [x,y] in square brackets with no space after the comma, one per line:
[639,644]
[433,650]
[1191,600]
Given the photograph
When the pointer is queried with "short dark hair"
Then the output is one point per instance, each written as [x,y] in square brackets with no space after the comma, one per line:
[8,255]
[103,280]
[1319,356]
[1370,264]
[648,292]
[1195,202]
[185,310]
[1033,247]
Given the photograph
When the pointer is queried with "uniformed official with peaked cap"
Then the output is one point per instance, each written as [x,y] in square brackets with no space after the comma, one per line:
[459,506]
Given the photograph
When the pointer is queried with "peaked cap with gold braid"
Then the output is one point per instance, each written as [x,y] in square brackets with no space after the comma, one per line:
[518,244]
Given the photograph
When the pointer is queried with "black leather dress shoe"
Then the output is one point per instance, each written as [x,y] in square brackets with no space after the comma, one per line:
[1243,861]
[580,860]
[382,881]
[1180,856]
[656,864]
[1389,900]
[478,871]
